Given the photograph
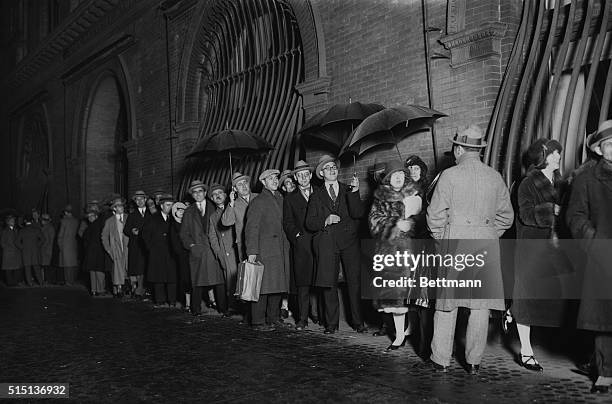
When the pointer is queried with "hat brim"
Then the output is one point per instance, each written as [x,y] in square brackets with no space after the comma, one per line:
[139,195]
[594,143]
[191,189]
[477,146]
[305,168]
[242,177]
[323,162]
[271,173]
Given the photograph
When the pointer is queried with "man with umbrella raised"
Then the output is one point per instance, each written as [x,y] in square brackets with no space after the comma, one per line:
[333,213]
[235,211]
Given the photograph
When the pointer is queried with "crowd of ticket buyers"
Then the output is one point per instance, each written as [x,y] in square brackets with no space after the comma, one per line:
[186,255]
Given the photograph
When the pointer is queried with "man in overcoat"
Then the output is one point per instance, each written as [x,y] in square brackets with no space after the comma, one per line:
[29,241]
[162,265]
[266,243]
[68,245]
[333,214]
[205,269]
[137,254]
[116,244]
[223,243]
[470,202]
[589,216]
[46,250]
[11,255]
[235,212]
[294,224]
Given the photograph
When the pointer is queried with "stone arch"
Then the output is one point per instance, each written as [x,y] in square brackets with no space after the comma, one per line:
[105,128]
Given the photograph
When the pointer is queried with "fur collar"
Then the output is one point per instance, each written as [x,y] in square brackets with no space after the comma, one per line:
[547,189]
[388,194]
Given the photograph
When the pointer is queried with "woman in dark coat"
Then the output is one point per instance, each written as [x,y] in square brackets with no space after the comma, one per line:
[392,224]
[182,254]
[94,256]
[537,263]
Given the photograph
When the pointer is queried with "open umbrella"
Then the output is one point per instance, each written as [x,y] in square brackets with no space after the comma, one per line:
[238,142]
[333,124]
[389,126]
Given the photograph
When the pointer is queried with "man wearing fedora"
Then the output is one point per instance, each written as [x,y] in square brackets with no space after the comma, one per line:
[46,250]
[137,255]
[470,202]
[68,245]
[223,243]
[116,244]
[235,212]
[294,224]
[205,269]
[11,255]
[333,215]
[161,271]
[266,243]
[589,216]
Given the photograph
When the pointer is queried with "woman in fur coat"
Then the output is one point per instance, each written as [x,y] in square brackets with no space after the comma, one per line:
[392,223]
[538,263]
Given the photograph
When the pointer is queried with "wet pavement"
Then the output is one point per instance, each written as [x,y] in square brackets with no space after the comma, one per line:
[126,351]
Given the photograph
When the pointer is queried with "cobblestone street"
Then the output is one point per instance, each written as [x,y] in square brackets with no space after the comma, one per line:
[114,351]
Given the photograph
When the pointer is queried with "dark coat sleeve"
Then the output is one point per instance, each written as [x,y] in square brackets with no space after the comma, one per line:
[578,212]
[252,228]
[314,217]
[532,213]
[289,224]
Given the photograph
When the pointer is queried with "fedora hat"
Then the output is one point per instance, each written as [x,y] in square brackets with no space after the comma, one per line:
[604,132]
[45,216]
[139,193]
[166,198]
[284,175]
[238,176]
[472,136]
[393,167]
[117,202]
[267,173]
[195,184]
[301,166]
[324,159]
[216,186]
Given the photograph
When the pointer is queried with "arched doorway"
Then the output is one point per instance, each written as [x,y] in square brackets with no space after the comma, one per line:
[105,132]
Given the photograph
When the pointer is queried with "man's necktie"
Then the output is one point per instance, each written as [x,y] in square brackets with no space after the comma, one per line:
[332,193]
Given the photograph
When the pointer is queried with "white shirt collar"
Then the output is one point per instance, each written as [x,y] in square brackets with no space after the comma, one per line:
[164,216]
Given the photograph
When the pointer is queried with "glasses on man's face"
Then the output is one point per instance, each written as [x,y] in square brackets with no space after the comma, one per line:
[330,168]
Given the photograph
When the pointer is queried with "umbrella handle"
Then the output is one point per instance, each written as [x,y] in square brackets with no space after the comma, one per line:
[230,160]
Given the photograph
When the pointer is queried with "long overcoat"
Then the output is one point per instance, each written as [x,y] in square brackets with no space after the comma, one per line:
[156,235]
[329,239]
[116,245]
[205,269]
[235,216]
[67,242]
[264,237]
[11,255]
[30,241]
[589,217]
[46,250]
[470,205]
[223,243]
[94,255]
[137,253]
[294,223]
[537,260]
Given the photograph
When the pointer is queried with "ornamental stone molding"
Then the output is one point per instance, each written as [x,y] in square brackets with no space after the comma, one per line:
[314,94]
[475,44]
[68,33]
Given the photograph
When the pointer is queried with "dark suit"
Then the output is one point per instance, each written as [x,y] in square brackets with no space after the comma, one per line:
[336,242]
[162,266]
[302,270]
[137,253]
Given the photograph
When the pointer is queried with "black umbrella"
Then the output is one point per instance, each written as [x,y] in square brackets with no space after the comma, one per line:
[238,142]
[389,126]
[333,124]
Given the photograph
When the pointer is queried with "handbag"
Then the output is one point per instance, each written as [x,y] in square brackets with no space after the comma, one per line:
[249,280]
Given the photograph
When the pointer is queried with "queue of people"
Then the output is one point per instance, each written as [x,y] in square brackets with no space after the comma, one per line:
[308,239]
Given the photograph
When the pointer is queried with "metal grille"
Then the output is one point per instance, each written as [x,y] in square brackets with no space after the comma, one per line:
[250,65]
[549,87]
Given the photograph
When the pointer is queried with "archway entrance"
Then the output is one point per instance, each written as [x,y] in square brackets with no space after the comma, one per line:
[106,131]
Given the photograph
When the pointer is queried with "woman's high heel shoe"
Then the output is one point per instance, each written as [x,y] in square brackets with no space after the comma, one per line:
[395,347]
[534,365]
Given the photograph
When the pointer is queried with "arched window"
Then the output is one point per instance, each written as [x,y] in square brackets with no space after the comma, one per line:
[250,60]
